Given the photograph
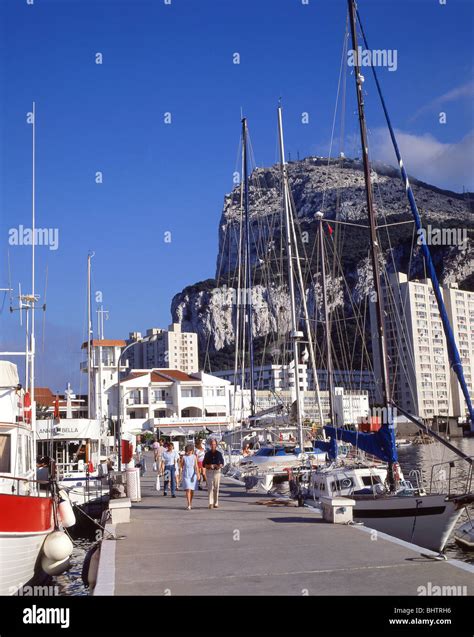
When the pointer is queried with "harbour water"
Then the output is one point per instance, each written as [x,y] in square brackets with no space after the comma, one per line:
[70,583]
[422,458]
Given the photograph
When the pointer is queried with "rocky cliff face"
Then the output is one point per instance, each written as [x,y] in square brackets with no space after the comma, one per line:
[337,189]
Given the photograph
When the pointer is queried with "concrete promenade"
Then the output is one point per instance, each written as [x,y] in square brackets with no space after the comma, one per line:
[244,548]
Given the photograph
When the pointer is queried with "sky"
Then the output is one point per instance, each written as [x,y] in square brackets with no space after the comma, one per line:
[153,220]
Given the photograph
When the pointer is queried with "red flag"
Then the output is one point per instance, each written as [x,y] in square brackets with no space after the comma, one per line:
[27,407]
[330,230]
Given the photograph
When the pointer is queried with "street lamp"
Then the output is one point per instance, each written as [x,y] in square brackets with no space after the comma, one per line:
[118,433]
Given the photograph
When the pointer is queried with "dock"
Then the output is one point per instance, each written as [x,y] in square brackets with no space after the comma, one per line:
[246,548]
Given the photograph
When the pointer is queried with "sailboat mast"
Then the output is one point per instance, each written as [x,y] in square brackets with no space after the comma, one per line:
[374,245]
[248,269]
[327,327]
[453,352]
[33,299]
[295,334]
[89,337]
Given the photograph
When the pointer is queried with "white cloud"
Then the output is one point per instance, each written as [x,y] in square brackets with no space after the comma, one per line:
[457,93]
[426,158]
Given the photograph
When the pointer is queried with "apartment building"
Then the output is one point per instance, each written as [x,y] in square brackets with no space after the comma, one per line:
[282,377]
[161,348]
[418,364]
[350,407]
[163,398]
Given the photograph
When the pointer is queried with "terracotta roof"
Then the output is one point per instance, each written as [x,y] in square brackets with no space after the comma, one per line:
[45,396]
[132,376]
[105,343]
[156,377]
[172,374]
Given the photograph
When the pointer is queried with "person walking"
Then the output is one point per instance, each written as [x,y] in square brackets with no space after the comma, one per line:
[200,453]
[140,459]
[169,460]
[190,474]
[213,463]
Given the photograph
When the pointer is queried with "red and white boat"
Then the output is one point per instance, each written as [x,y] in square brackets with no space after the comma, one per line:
[26,511]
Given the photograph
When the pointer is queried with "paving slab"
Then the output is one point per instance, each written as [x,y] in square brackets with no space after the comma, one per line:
[243,548]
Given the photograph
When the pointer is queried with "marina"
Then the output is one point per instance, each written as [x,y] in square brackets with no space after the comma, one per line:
[271,401]
[243,549]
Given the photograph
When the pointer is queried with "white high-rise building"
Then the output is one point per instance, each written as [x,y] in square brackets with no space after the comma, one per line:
[350,407]
[419,371]
[282,377]
[162,349]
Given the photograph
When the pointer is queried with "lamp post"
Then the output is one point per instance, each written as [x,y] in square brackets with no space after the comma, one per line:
[118,433]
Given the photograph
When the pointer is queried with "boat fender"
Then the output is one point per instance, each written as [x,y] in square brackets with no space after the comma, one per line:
[90,567]
[66,513]
[55,567]
[57,546]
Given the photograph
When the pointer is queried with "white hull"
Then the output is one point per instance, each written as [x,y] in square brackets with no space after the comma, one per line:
[18,556]
[427,520]
[464,535]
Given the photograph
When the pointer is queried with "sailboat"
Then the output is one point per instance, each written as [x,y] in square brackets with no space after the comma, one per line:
[384,500]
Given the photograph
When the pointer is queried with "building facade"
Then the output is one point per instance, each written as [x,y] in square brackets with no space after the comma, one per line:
[104,372]
[421,380]
[350,407]
[170,398]
[162,349]
[282,377]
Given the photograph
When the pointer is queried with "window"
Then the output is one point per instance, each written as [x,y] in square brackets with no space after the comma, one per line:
[5,453]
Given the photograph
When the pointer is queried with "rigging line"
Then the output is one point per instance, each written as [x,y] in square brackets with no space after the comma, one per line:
[396,223]
[342,65]
[306,313]
[44,307]
[349,295]
[346,223]
[453,352]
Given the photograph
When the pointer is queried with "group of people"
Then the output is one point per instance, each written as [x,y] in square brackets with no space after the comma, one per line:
[195,467]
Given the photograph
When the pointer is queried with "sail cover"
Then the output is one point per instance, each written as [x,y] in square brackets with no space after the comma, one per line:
[8,374]
[329,446]
[380,443]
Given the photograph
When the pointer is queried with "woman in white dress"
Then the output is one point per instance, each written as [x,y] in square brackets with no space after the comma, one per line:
[190,474]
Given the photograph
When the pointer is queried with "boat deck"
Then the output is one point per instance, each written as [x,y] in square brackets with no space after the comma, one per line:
[244,548]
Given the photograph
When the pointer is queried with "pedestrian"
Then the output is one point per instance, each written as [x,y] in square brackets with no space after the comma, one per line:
[213,463]
[189,473]
[140,459]
[200,453]
[169,461]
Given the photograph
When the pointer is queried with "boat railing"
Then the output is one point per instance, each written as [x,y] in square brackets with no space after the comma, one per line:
[452,476]
[27,486]
[416,477]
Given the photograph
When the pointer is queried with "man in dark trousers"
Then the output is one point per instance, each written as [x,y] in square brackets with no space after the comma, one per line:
[213,463]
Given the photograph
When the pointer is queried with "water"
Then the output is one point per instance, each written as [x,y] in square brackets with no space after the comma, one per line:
[422,458]
[70,583]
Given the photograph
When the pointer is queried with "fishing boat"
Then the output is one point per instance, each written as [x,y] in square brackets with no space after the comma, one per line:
[74,445]
[26,508]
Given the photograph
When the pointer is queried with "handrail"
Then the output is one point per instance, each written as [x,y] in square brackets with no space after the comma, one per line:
[452,464]
[24,479]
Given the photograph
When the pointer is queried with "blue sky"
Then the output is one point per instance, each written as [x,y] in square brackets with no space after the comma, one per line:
[161,178]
